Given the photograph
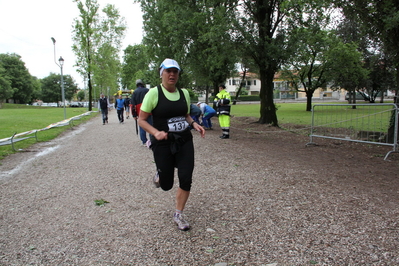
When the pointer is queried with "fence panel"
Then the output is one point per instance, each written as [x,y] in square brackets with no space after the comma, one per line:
[368,123]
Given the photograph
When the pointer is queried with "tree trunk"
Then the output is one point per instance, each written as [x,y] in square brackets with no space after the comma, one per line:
[239,89]
[90,90]
[309,101]
[206,94]
[267,108]
[215,89]
[391,129]
[215,92]
[352,97]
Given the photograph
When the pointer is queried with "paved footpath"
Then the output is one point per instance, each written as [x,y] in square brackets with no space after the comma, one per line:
[248,206]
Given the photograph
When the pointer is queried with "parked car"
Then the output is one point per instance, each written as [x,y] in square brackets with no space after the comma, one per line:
[362,96]
[74,104]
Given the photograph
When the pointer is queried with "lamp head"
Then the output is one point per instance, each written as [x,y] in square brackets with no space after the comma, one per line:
[61,60]
[53,40]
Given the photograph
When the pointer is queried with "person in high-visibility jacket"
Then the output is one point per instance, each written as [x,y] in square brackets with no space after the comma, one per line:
[222,102]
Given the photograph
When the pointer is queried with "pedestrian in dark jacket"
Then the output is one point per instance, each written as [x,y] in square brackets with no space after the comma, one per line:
[119,106]
[136,101]
[103,105]
[127,106]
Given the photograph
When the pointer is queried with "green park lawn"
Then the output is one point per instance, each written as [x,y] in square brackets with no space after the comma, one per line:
[17,118]
[286,112]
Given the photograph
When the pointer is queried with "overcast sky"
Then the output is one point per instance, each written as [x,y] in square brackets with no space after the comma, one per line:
[26,28]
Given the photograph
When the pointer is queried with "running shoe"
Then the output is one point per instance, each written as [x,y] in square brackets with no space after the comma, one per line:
[148,144]
[181,223]
[155,180]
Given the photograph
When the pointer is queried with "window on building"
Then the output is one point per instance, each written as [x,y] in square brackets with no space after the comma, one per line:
[254,82]
[229,81]
[249,83]
[234,82]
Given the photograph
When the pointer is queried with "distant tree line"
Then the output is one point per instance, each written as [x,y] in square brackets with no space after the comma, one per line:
[17,85]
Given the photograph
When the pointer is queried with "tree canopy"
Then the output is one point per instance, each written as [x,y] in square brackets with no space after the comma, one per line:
[379,21]
[6,90]
[307,68]
[195,33]
[51,88]
[16,82]
[97,43]
[136,66]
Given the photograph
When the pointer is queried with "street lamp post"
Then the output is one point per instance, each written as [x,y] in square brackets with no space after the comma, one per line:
[61,64]
[61,61]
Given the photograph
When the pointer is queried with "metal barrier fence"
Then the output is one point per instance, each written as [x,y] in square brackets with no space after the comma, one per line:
[25,135]
[367,123]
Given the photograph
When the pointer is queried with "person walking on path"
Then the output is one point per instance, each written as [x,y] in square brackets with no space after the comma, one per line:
[119,105]
[171,138]
[207,113]
[127,106]
[103,105]
[137,101]
[222,101]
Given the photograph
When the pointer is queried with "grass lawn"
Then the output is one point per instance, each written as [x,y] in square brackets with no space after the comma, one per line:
[16,118]
[286,112]
[336,115]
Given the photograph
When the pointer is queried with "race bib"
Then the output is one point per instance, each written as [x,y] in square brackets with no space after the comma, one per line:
[177,124]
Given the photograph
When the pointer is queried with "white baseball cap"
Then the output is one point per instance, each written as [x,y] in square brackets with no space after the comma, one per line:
[170,63]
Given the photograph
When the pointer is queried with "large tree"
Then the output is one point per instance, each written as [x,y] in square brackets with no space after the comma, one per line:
[195,33]
[307,68]
[346,68]
[107,67]
[97,42]
[18,77]
[136,65]
[213,54]
[264,32]
[51,88]
[381,76]
[378,64]
[6,91]
[86,39]
[379,20]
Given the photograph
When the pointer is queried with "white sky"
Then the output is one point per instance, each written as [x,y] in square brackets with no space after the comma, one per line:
[26,28]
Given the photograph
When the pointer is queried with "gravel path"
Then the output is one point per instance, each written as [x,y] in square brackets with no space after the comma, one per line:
[260,198]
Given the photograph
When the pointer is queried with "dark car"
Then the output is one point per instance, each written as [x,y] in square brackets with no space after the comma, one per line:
[362,96]
[74,104]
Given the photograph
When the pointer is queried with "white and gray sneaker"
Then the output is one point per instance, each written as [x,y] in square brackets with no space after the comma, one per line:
[181,223]
[155,180]
[148,144]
